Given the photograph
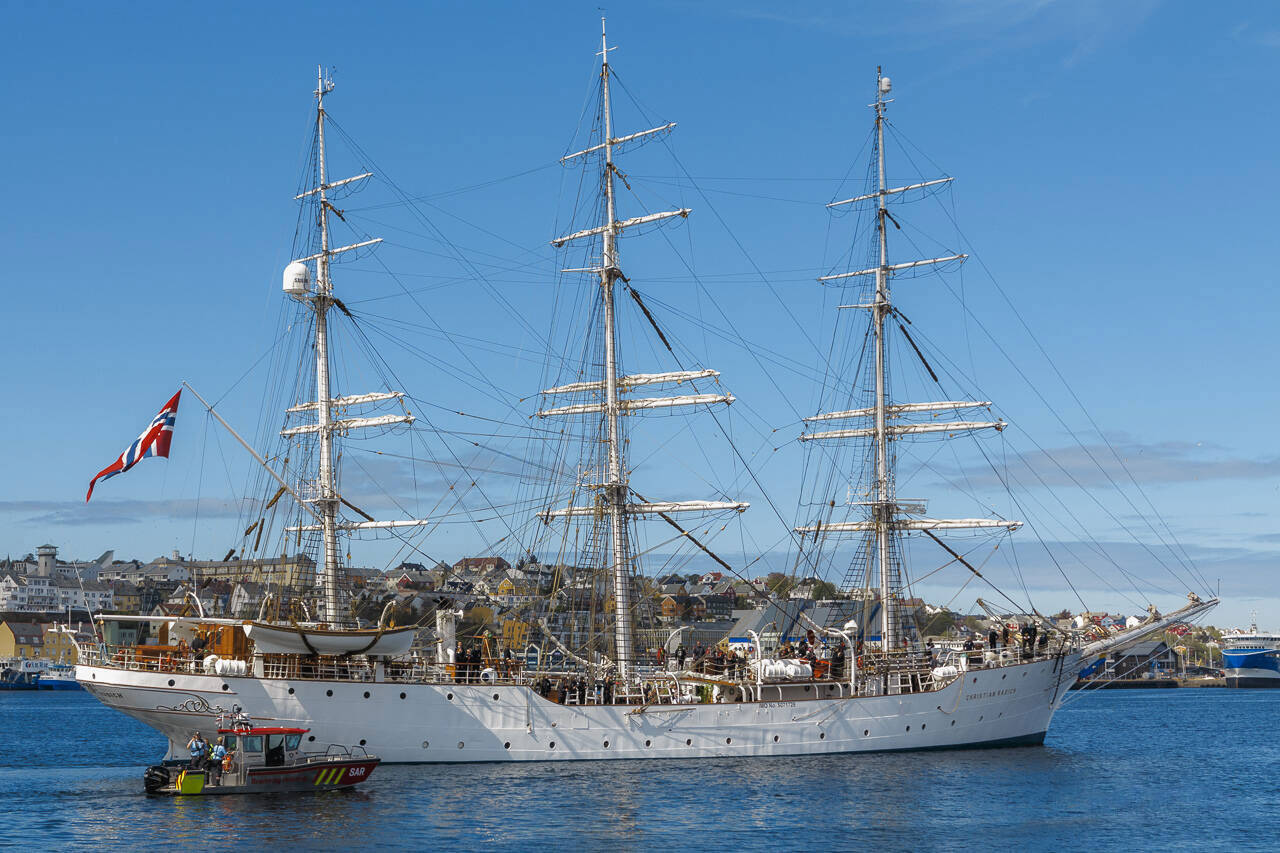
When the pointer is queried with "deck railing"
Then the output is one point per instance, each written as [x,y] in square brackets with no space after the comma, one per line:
[904,672]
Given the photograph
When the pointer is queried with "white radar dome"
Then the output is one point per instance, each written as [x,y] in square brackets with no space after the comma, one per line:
[297,278]
[885,85]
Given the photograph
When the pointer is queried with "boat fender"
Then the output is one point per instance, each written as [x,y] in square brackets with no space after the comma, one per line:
[488,675]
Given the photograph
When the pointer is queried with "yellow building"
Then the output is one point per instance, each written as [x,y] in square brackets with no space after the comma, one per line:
[21,640]
[515,634]
[58,644]
[127,597]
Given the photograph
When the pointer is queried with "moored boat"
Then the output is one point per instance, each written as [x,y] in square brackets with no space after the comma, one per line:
[20,674]
[1251,658]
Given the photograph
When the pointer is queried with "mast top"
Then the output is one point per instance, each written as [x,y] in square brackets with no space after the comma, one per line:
[604,45]
[324,85]
[883,86]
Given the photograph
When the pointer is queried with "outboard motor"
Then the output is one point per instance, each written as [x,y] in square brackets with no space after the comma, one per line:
[156,777]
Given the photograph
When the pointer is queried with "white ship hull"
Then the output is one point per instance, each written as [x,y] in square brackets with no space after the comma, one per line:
[430,723]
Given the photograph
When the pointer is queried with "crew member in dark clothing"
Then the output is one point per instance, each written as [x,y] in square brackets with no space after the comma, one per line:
[992,639]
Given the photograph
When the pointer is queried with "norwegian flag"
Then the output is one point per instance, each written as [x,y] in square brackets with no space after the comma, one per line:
[154,441]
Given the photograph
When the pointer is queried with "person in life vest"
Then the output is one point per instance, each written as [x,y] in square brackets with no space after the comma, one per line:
[216,757]
[198,748]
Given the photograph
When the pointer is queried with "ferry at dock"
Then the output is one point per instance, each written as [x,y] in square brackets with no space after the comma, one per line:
[1251,658]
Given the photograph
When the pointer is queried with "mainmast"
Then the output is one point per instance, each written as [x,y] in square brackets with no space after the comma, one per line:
[605,397]
[615,486]
[879,309]
[891,421]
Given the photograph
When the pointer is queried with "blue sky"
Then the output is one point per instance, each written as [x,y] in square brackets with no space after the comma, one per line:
[1115,173]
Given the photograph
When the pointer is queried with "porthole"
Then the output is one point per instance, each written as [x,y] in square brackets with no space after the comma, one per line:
[495,697]
[366,694]
[425,743]
[311,738]
[688,742]
[979,719]
[170,682]
[953,722]
[822,735]
[226,687]
[648,743]
[362,741]
[866,732]
[290,691]
[401,695]
[922,725]
[830,687]
[449,696]
[328,693]
[507,745]
[975,681]
[908,728]
[1024,675]
[551,745]
[606,744]
[775,738]
[806,688]
[1003,676]
[728,740]
[461,744]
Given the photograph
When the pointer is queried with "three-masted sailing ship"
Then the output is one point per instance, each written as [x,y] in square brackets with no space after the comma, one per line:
[350,684]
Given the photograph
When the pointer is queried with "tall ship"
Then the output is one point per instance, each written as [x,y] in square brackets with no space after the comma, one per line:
[861,681]
[1251,658]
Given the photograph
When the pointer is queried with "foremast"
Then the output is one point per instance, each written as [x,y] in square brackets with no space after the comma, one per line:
[614,499]
[324,494]
[886,515]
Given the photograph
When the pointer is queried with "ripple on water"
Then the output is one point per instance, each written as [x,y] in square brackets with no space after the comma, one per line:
[1183,769]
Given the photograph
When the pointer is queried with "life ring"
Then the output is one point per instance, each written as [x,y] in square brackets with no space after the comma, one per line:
[488,675]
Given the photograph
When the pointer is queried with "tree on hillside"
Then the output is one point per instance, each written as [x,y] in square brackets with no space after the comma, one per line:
[779,584]
[824,591]
[939,624]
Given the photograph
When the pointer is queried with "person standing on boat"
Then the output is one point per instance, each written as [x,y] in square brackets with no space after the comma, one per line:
[198,748]
[992,639]
[215,761]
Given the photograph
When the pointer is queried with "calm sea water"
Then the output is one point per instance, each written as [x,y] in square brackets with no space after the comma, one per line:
[1121,770]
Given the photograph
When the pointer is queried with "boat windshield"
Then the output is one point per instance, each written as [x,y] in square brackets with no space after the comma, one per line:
[253,743]
[292,741]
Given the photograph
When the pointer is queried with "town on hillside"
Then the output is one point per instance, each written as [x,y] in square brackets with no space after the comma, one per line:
[46,601]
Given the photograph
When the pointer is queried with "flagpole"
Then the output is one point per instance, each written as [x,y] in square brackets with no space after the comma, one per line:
[254,453]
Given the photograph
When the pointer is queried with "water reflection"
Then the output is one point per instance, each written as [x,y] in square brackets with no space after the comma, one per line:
[1137,770]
